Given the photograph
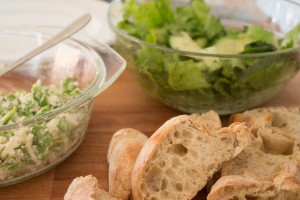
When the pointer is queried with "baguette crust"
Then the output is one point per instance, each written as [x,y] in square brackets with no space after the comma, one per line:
[124,148]
[171,165]
[124,135]
[86,188]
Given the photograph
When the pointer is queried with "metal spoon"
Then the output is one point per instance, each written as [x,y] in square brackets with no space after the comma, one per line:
[64,34]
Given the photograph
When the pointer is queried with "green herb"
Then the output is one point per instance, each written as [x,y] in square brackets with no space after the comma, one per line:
[8,116]
[28,147]
[42,139]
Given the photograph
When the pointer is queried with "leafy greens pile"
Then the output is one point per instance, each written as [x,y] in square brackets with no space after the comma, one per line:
[193,28]
[155,21]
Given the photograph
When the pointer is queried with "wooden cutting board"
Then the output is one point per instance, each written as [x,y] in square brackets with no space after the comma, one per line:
[124,104]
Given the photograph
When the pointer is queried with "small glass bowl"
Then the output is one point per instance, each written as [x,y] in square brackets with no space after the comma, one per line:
[93,65]
[266,73]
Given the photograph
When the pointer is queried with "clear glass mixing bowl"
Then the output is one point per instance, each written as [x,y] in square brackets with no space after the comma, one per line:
[93,65]
[165,72]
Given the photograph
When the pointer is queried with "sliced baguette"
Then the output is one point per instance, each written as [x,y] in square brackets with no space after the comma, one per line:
[278,127]
[179,158]
[286,185]
[122,135]
[286,118]
[258,163]
[296,150]
[289,178]
[124,148]
[210,120]
[238,187]
[86,188]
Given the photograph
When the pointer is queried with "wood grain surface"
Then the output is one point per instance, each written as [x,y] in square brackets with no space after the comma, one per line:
[124,104]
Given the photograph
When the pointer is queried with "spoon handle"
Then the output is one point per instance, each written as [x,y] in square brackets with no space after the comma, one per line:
[65,33]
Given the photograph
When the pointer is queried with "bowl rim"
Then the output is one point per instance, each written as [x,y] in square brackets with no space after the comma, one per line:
[189,53]
[87,93]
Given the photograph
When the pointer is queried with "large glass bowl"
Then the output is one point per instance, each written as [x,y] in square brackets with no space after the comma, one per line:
[93,65]
[266,73]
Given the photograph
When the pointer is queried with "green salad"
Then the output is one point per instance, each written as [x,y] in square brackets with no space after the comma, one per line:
[190,81]
[193,28]
[26,148]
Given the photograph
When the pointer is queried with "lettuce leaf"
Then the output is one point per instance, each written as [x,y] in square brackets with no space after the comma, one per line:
[257,33]
[197,20]
[258,47]
[141,19]
[291,39]
[158,19]
[186,75]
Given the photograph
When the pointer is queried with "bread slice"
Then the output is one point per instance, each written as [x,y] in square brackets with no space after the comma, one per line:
[289,178]
[179,158]
[239,187]
[286,185]
[86,188]
[122,135]
[282,117]
[296,150]
[278,128]
[210,120]
[258,163]
[124,148]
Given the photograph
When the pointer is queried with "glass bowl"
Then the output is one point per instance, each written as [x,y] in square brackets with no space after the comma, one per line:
[33,145]
[167,73]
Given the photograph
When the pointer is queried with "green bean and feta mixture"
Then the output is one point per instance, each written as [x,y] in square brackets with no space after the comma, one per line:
[24,148]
